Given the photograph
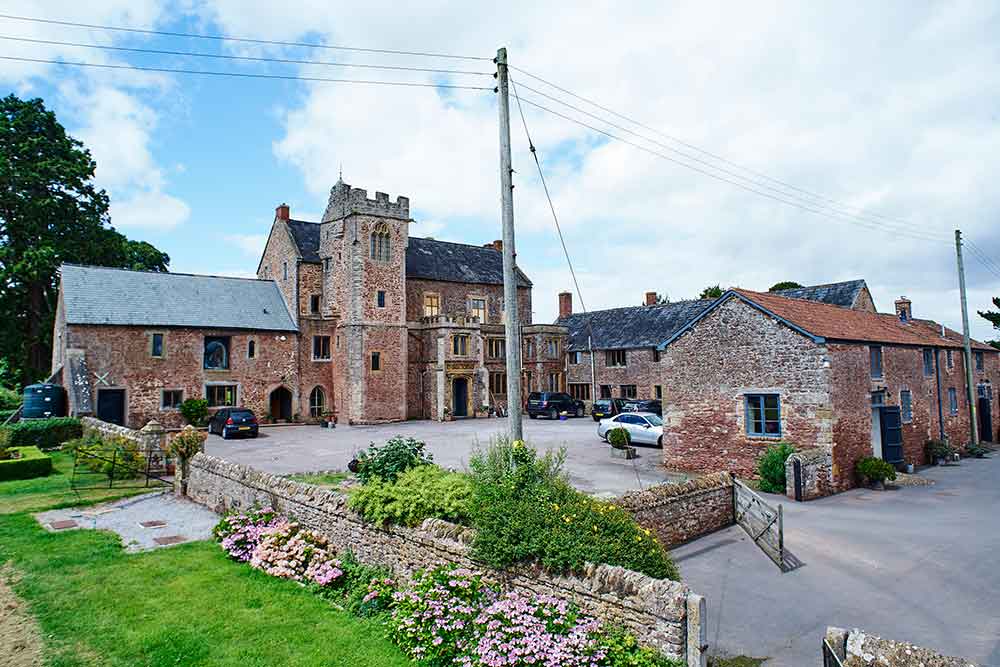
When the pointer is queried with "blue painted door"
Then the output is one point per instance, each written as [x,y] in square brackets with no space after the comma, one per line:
[892,433]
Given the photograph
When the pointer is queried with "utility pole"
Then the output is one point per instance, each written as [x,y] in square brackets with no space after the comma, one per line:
[966,342]
[513,329]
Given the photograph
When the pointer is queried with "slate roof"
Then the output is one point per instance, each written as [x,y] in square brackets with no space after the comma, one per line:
[431,259]
[100,295]
[306,237]
[842,294]
[632,326]
[837,323]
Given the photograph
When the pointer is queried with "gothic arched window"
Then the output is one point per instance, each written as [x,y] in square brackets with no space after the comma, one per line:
[380,242]
[317,402]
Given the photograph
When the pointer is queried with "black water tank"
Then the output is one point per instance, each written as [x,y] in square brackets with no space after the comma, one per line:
[44,400]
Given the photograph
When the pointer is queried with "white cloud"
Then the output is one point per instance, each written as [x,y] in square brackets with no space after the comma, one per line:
[149,211]
[251,244]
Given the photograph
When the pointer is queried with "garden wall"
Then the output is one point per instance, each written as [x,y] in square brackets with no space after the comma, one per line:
[859,649]
[152,435]
[664,614]
[679,513]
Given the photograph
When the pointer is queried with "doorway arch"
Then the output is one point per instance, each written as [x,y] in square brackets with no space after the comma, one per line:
[281,404]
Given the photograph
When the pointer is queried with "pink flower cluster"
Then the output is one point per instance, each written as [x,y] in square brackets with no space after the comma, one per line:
[241,533]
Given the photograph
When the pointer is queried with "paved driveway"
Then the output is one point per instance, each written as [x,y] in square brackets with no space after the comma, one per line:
[920,564]
[286,449]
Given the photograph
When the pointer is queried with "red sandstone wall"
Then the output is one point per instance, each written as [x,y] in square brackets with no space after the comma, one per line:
[455,299]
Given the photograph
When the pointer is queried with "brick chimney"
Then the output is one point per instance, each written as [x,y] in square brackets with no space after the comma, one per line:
[282,212]
[651,298]
[496,245]
[904,309]
[565,304]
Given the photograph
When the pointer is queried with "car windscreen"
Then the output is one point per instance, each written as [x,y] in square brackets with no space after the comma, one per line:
[654,420]
[602,404]
[241,414]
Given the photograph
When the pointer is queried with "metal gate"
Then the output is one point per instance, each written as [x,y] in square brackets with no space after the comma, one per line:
[121,467]
[830,658]
[762,522]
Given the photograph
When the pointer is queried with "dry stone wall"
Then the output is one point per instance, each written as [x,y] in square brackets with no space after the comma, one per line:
[678,513]
[656,610]
[151,436]
[856,648]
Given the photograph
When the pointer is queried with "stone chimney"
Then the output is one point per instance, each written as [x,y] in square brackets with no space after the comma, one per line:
[282,212]
[565,304]
[904,310]
[496,245]
[651,298]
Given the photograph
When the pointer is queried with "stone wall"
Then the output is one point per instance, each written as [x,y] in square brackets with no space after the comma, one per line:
[664,614]
[151,436]
[816,469]
[856,648]
[678,513]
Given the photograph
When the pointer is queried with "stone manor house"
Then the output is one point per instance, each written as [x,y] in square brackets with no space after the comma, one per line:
[349,317]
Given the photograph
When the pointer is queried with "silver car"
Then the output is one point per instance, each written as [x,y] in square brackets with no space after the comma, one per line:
[643,427]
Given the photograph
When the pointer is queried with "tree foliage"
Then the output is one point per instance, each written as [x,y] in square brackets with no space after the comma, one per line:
[711,292]
[51,213]
[784,284]
[993,317]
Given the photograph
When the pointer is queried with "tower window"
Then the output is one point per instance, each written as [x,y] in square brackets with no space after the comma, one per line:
[380,242]
[314,301]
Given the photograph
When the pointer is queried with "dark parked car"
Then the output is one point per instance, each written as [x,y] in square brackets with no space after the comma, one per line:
[653,405]
[553,403]
[605,408]
[230,422]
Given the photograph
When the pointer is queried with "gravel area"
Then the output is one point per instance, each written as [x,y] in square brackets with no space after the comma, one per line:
[168,520]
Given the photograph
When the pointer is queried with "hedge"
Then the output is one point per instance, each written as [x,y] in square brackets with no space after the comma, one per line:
[31,463]
[41,433]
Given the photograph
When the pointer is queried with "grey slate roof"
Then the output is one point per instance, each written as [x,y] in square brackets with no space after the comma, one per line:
[632,326]
[306,237]
[836,294]
[99,295]
[431,259]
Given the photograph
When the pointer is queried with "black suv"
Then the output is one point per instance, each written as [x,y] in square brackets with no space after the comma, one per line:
[606,408]
[653,405]
[229,422]
[554,403]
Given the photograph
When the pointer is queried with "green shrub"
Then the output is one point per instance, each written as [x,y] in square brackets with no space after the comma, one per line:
[10,399]
[187,443]
[420,493]
[195,411]
[30,462]
[875,470]
[977,450]
[41,433]
[623,650]
[389,461]
[771,467]
[116,457]
[619,438]
[938,449]
[523,509]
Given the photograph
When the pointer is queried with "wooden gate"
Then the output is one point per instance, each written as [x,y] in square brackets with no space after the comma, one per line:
[762,522]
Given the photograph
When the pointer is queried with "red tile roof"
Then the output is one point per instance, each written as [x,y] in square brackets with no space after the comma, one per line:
[837,323]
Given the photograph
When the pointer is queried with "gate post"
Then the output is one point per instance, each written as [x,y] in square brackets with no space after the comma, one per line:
[797,469]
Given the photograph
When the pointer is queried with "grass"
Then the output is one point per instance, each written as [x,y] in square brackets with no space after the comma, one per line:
[186,606]
[736,661]
[53,491]
[321,478]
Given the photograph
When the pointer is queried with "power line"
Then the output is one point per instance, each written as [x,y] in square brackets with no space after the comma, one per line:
[246,40]
[219,56]
[839,216]
[247,75]
[984,259]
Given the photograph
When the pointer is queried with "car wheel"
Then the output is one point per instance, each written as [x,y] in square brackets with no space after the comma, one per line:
[532,415]
[597,419]
[553,414]
[225,435]
[579,411]
[659,442]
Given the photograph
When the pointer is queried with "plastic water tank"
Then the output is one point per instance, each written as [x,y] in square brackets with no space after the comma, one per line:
[44,400]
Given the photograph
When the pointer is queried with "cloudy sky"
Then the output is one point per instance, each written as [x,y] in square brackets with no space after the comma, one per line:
[888,111]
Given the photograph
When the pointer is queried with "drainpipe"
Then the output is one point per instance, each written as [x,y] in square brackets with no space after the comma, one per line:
[937,382]
[593,369]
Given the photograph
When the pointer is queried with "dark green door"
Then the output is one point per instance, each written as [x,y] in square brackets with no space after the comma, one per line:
[892,433]
[460,397]
[111,406]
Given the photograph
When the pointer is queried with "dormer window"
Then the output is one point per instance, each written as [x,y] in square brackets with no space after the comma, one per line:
[380,242]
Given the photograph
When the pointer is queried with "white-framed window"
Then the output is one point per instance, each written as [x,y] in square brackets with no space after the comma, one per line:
[432,304]
[477,308]
[317,402]
[321,348]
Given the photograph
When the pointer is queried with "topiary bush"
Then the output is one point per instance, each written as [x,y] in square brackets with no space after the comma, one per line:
[195,411]
[619,438]
[41,433]
[24,463]
[420,493]
[875,470]
[771,467]
[389,461]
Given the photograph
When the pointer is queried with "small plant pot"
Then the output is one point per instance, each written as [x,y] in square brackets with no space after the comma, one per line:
[909,468]
[939,462]
[877,485]
[627,453]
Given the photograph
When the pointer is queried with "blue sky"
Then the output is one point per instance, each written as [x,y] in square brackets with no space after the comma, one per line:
[890,109]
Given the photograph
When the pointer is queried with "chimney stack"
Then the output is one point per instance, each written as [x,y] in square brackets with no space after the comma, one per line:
[651,298]
[282,212]
[496,245]
[565,304]
[904,309]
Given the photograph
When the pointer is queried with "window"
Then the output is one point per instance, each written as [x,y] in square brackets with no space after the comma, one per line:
[952,401]
[875,353]
[580,391]
[979,360]
[552,348]
[284,271]
[314,303]
[432,305]
[950,360]
[251,349]
[217,352]
[906,405]
[629,391]
[657,391]
[553,381]
[496,348]
[878,398]
[928,362]
[656,354]
[326,265]
[376,361]
[615,357]
[156,345]
[574,357]
[529,347]
[220,394]
[763,415]
[460,345]
[477,308]
[498,384]
[380,298]
[380,242]
[171,399]
[317,402]
[605,391]
[321,347]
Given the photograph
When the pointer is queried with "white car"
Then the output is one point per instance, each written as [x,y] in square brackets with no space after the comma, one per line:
[643,427]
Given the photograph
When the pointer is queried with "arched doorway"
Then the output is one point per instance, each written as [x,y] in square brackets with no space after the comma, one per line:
[460,397]
[281,404]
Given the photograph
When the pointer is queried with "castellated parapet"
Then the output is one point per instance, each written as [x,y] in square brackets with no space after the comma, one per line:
[345,201]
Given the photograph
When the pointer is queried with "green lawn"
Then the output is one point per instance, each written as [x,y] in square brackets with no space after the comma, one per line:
[182,606]
[321,478]
[52,491]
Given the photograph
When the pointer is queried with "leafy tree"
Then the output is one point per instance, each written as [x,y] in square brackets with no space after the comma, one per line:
[50,213]
[784,284]
[993,316]
[711,292]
